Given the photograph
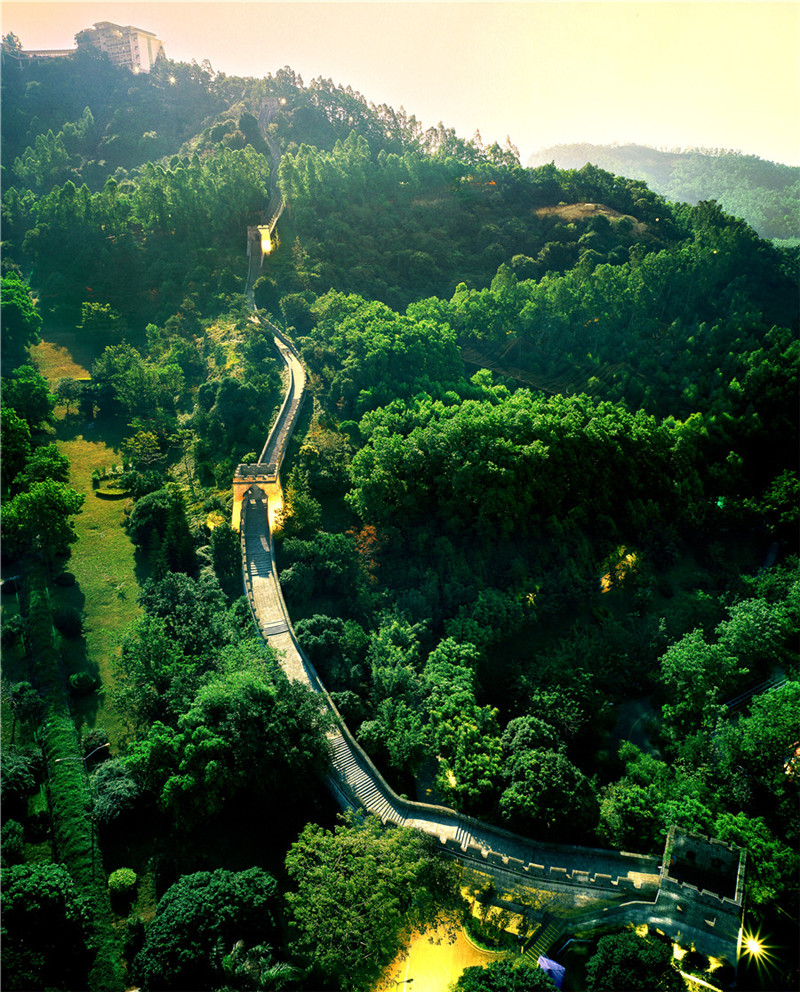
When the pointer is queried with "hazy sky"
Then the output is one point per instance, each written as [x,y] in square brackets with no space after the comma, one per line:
[709,74]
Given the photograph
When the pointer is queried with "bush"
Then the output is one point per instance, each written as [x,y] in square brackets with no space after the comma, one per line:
[12,631]
[93,740]
[68,621]
[110,493]
[115,790]
[38,826]
[12,841]
[122,887]
[26,703]
[64,580]
[122,881]
[82,683]
[18,780]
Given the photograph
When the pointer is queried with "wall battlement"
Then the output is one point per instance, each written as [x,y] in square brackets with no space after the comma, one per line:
[546,875]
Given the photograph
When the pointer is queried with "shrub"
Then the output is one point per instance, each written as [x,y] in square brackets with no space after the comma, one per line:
[122,882]
[38,826]
[93,740]
[12,631]
[25,702]
[68,621]
[13,841]
[82,683]
[115,790]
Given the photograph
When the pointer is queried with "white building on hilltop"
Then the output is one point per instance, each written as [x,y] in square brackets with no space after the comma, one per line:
[133,48]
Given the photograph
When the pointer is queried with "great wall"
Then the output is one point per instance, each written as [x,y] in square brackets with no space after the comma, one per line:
[576,890]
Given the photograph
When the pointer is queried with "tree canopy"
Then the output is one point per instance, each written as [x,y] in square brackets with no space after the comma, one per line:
[358,891]
[199,920]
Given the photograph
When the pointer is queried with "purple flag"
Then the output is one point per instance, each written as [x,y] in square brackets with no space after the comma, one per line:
[555,970]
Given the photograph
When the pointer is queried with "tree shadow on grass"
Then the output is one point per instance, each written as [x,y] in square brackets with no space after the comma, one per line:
[142,569]
[102,429]
[84,701]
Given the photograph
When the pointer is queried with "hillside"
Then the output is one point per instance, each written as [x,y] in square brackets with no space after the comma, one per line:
[765,194]
[549,445]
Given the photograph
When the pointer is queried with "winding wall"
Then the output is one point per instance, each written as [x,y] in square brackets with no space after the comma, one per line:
[580,876]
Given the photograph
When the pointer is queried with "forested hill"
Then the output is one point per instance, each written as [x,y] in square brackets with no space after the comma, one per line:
[765,194]
[530,587]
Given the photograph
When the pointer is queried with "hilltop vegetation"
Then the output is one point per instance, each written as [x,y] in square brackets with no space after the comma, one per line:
[553,440]
[765,194]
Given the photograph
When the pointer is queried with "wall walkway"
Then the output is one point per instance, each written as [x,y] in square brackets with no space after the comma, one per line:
[576,877]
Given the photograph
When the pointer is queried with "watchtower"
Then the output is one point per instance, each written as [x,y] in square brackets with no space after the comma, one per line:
[702,881]
[265,477]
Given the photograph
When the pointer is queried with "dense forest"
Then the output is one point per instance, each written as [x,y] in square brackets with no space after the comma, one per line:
[765,194]
[548,479]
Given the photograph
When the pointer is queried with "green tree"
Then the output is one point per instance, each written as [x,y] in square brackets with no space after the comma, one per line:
[357,894]
[773,867]
[160,516]
[12,843]
[627,961]
[504,976]
[142,450]
[226,557]
[247,730]
[116,792]
[45,462]
[768,733]
[697,675]
[40,519]
[21,321]
[548,792]
[15,443]
[100,318]
[27,392]
[26,703]
[463,735]
[200,919]
[44,929]
[18,779]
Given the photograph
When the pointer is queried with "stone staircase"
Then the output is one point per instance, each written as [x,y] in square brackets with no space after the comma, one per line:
[361,781]
[543,939]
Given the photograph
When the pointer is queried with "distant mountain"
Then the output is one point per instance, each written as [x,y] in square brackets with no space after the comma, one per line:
[765,194]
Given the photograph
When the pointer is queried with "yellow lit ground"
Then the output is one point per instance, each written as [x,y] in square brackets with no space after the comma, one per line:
[266,243]
[434,967]
[275,494]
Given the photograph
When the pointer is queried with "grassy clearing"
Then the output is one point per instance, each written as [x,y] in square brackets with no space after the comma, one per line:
[104,561]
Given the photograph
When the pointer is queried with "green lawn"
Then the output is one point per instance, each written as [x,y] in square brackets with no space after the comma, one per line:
[103,559]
